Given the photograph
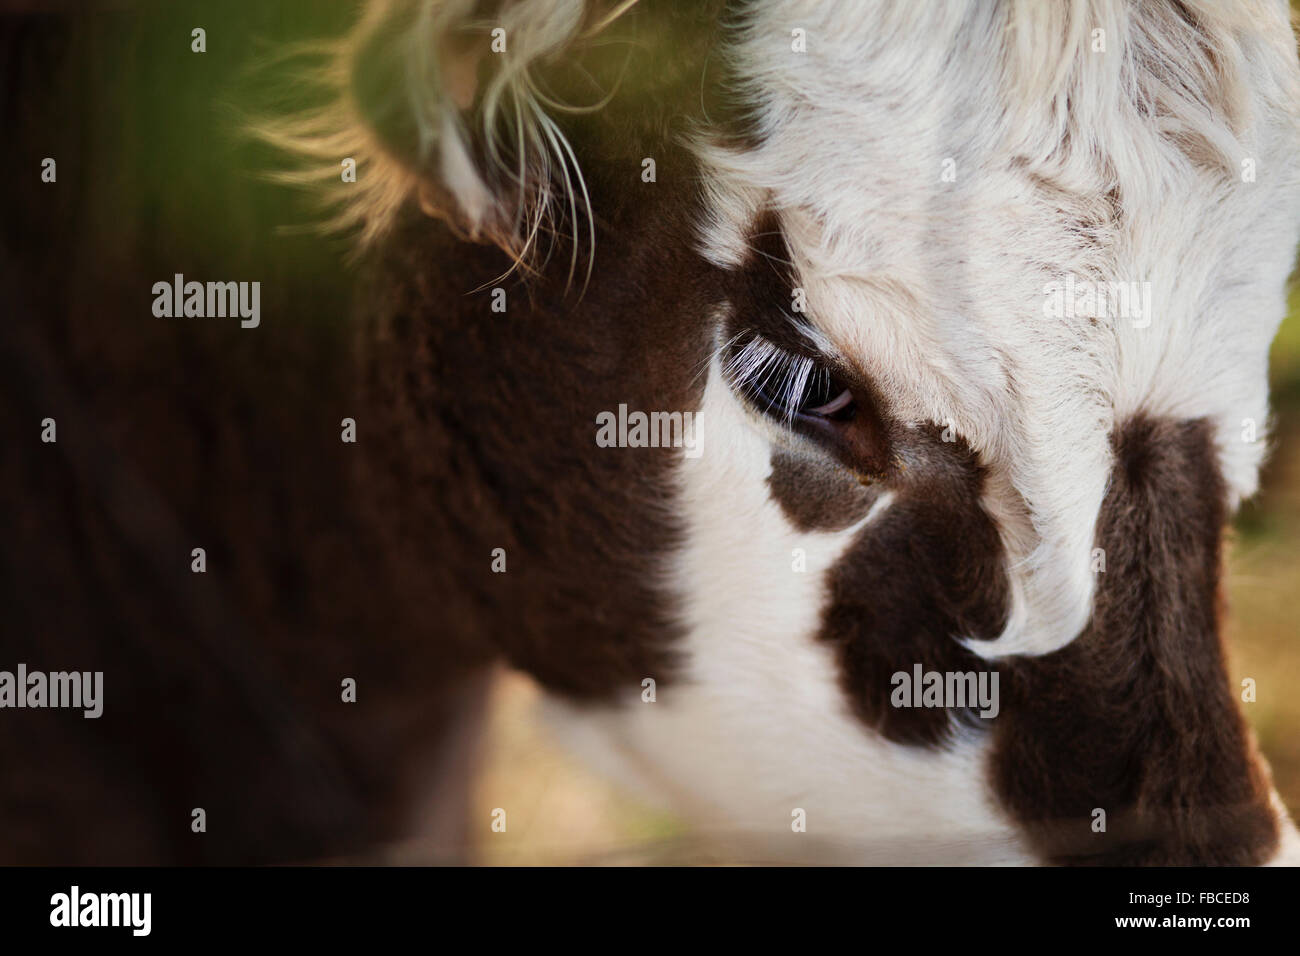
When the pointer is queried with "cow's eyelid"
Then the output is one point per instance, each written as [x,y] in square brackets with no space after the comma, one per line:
[783,385]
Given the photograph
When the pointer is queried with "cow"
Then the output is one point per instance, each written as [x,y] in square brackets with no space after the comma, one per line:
[963,311]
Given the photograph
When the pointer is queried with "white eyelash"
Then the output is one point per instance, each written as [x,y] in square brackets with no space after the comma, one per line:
[761,365]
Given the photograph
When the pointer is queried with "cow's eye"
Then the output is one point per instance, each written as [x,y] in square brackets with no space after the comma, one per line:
[802,391]
[786,386]
[822,395]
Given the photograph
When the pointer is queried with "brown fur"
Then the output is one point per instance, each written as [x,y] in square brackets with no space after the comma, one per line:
[1135,716]
[926,571]
[325,560]
[817,495]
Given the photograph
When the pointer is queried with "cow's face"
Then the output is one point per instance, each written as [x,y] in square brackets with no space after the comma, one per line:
[981,297]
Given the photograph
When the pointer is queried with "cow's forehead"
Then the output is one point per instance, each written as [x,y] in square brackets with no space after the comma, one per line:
[929,215]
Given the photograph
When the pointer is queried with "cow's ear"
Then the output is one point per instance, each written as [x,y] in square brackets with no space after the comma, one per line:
[447,90]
